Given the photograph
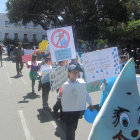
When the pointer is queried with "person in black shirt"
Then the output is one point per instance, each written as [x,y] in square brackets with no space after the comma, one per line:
[18,53]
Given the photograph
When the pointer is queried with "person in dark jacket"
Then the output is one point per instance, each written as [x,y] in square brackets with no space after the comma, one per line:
[18,53]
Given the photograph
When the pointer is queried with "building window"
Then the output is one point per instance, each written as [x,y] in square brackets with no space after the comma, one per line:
[25,37]
[6,35]
[6,23]
[34,37]
[25,26]
[44,37]
[16,36]
[34,25]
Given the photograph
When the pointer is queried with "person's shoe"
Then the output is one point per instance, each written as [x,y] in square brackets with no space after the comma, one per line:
[20,72]
[46,108]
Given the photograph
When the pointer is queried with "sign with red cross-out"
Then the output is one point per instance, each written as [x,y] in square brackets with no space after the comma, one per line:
[61,44]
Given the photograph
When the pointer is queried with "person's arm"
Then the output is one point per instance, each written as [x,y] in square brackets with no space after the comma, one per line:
[59,93]
[40,71]
[89,101]
[102,87]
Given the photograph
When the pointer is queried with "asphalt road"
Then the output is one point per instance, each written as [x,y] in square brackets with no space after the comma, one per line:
[22,117]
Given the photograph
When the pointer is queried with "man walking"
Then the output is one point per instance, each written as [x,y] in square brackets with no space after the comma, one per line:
[18,53]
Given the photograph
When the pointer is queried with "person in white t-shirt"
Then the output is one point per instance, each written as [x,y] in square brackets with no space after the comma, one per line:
[45,69]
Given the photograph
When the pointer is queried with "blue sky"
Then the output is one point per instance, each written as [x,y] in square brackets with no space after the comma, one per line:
[3,6]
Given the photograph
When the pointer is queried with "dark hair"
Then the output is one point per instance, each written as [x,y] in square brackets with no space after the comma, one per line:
[72,67]
[122,57]
[60,62]
[48,59]
[19,43]
[34,57]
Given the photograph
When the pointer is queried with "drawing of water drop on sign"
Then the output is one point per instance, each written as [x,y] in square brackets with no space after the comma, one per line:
[60,38]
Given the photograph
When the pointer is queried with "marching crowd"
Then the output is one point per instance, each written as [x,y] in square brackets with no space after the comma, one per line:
[40,72]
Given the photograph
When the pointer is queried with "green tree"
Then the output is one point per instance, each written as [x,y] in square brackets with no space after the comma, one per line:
[81,14]
[133,30]
[91,19]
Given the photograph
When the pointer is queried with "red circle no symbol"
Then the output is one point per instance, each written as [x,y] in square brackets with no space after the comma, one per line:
[59,39]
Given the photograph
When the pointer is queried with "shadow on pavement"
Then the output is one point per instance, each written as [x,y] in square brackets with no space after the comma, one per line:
[16,76]
[7,59]
[42,116]
[31,96]
[23,102]
[47,116]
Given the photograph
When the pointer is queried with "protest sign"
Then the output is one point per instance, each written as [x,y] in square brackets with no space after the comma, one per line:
[74,96]
[138,81]
[58,77]
[61,44]
[26,58]
[28,51]
[43,45]
[93,86]
[101,64]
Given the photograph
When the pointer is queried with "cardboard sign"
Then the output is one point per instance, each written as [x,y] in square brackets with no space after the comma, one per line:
[43,45]
[74,96]
[119,115]
[58,77]
[93,86]
[102,64]
[26,58]
[61,44]
[28,52]
[44,72]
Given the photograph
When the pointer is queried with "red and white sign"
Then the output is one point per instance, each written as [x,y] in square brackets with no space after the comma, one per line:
[61,44]
[63,33]
[26,58]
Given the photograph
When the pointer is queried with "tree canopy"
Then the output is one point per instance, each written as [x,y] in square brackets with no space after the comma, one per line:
[91,19]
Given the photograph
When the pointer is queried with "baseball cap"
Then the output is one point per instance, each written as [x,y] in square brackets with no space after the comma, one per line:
[72,67]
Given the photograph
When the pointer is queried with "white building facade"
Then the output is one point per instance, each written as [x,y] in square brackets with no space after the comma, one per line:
[18,32]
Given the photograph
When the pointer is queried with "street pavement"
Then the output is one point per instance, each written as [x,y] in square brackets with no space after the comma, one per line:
[22,117]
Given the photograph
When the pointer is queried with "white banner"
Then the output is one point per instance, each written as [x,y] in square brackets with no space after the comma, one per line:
[101,64]
[58,77]
[61,44]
